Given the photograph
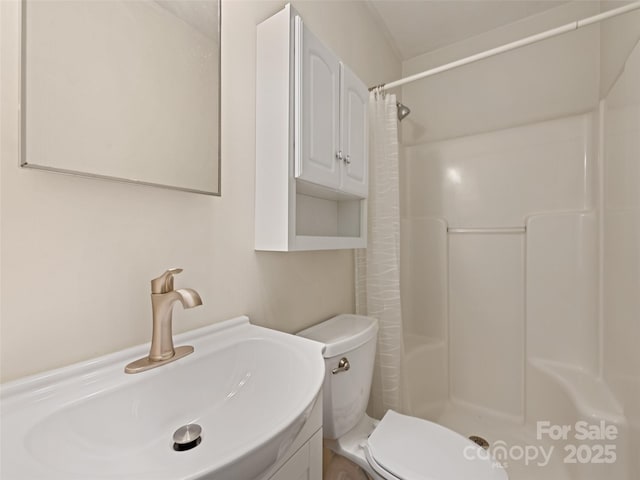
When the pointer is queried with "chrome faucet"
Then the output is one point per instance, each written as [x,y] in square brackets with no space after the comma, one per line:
[163,296]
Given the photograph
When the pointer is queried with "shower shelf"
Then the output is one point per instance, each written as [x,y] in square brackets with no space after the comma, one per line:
[487,230]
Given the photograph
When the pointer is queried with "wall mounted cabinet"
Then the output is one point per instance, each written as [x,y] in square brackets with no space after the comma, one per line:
[311,142]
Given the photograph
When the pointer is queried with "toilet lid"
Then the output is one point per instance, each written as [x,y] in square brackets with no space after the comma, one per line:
[410,448]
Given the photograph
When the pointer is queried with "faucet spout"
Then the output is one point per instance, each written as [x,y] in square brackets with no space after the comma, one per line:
[188,297]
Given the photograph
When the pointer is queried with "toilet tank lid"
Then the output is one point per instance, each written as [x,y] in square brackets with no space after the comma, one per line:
[342,333]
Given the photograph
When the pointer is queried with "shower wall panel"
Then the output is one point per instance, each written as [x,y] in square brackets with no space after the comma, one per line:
[621,250]
[486,320]
[542,172]
[424,277]
[562,289]
[423,262]
[497,179]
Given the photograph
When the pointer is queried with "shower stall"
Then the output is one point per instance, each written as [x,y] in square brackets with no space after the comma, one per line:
[520,247]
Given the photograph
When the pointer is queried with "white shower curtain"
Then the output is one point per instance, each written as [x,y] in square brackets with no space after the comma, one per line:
[378,267]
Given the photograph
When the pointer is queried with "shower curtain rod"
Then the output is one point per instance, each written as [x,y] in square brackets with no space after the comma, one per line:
[511,46]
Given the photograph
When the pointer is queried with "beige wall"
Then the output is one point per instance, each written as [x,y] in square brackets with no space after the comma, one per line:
[78,254]
[551,79]
[618,36]
[558,77]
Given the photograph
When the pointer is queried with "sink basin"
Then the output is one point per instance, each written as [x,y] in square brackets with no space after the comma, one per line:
[251,390]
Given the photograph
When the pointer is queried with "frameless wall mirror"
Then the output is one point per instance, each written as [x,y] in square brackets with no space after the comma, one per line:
[123,89]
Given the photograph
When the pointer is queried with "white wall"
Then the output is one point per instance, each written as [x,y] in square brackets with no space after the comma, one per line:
[554,78]
[78,254]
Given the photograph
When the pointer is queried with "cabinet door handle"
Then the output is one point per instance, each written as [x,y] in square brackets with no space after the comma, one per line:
[347,160]
[339,155]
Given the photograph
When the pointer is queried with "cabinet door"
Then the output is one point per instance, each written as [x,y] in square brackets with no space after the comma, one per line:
[317,110]
[305,464]
[354,134]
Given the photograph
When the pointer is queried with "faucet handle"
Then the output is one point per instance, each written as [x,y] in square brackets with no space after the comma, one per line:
[164,283]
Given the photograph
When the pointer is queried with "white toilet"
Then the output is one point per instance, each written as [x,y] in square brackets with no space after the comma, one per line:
[398,447]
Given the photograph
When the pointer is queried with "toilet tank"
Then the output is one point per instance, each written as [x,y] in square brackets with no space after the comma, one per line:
[345,392]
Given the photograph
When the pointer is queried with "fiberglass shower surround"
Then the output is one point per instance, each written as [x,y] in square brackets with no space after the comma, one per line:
[512,239]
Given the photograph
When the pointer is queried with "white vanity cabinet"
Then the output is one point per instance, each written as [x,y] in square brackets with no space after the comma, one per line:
[305,464]
[303,459]
[311,142]
[331,105]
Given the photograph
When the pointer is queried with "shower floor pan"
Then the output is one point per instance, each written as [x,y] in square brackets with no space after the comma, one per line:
[507,440]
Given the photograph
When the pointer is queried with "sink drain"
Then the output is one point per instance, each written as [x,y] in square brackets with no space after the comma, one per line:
[479,441]
[187,437]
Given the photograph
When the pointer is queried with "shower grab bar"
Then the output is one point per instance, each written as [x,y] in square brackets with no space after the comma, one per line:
[487,230]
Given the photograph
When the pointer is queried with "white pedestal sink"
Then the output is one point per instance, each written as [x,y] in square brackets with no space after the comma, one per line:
[249,388]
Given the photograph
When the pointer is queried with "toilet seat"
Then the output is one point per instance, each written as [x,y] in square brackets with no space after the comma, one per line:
[409,448]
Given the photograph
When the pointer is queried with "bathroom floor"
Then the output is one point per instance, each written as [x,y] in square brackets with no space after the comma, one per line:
[508,441]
